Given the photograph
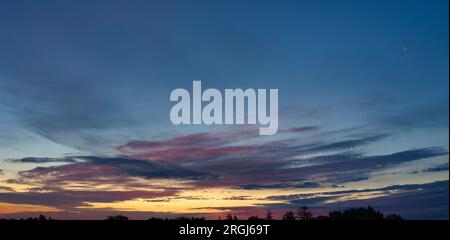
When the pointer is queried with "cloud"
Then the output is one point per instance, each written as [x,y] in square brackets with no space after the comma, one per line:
[209,146]
[69,199]
[425,201]
[344,145]
[43,160]
[338,193]
[209,160]
[95,179]
[290,184]
[437,168]
[272,164]
[146,169]
[6,189]
[324,170]
[239,198]
[90,168]
[191,147]
[434,114]
[206,144]
[225,159]
[300,129]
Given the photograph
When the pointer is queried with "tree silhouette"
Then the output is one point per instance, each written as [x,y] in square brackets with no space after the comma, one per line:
[254,218]
[269,215]
[183,218]
[304,214]
[231,217]
[289,216]
[357,214]
[117,218]
[393,217]
[350,214]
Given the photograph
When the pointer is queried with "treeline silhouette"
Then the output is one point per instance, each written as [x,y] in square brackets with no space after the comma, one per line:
[361,213]
[303,213]
[39,218]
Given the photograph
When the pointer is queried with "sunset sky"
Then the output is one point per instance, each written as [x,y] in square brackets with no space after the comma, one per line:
[84,107]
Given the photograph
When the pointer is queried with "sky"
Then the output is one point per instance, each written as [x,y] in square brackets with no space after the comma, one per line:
[84,107]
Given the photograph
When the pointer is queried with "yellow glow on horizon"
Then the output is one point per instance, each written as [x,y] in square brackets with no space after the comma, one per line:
[8,208]
[212,200]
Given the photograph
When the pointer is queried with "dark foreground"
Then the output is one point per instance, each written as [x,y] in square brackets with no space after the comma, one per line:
[179,230]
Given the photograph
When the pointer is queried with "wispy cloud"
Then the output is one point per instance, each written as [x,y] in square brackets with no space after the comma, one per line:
[208,160]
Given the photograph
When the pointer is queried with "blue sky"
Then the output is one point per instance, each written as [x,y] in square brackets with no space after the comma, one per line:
[86,78]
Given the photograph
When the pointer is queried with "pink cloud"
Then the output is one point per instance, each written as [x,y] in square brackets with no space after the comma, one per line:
[189,147]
